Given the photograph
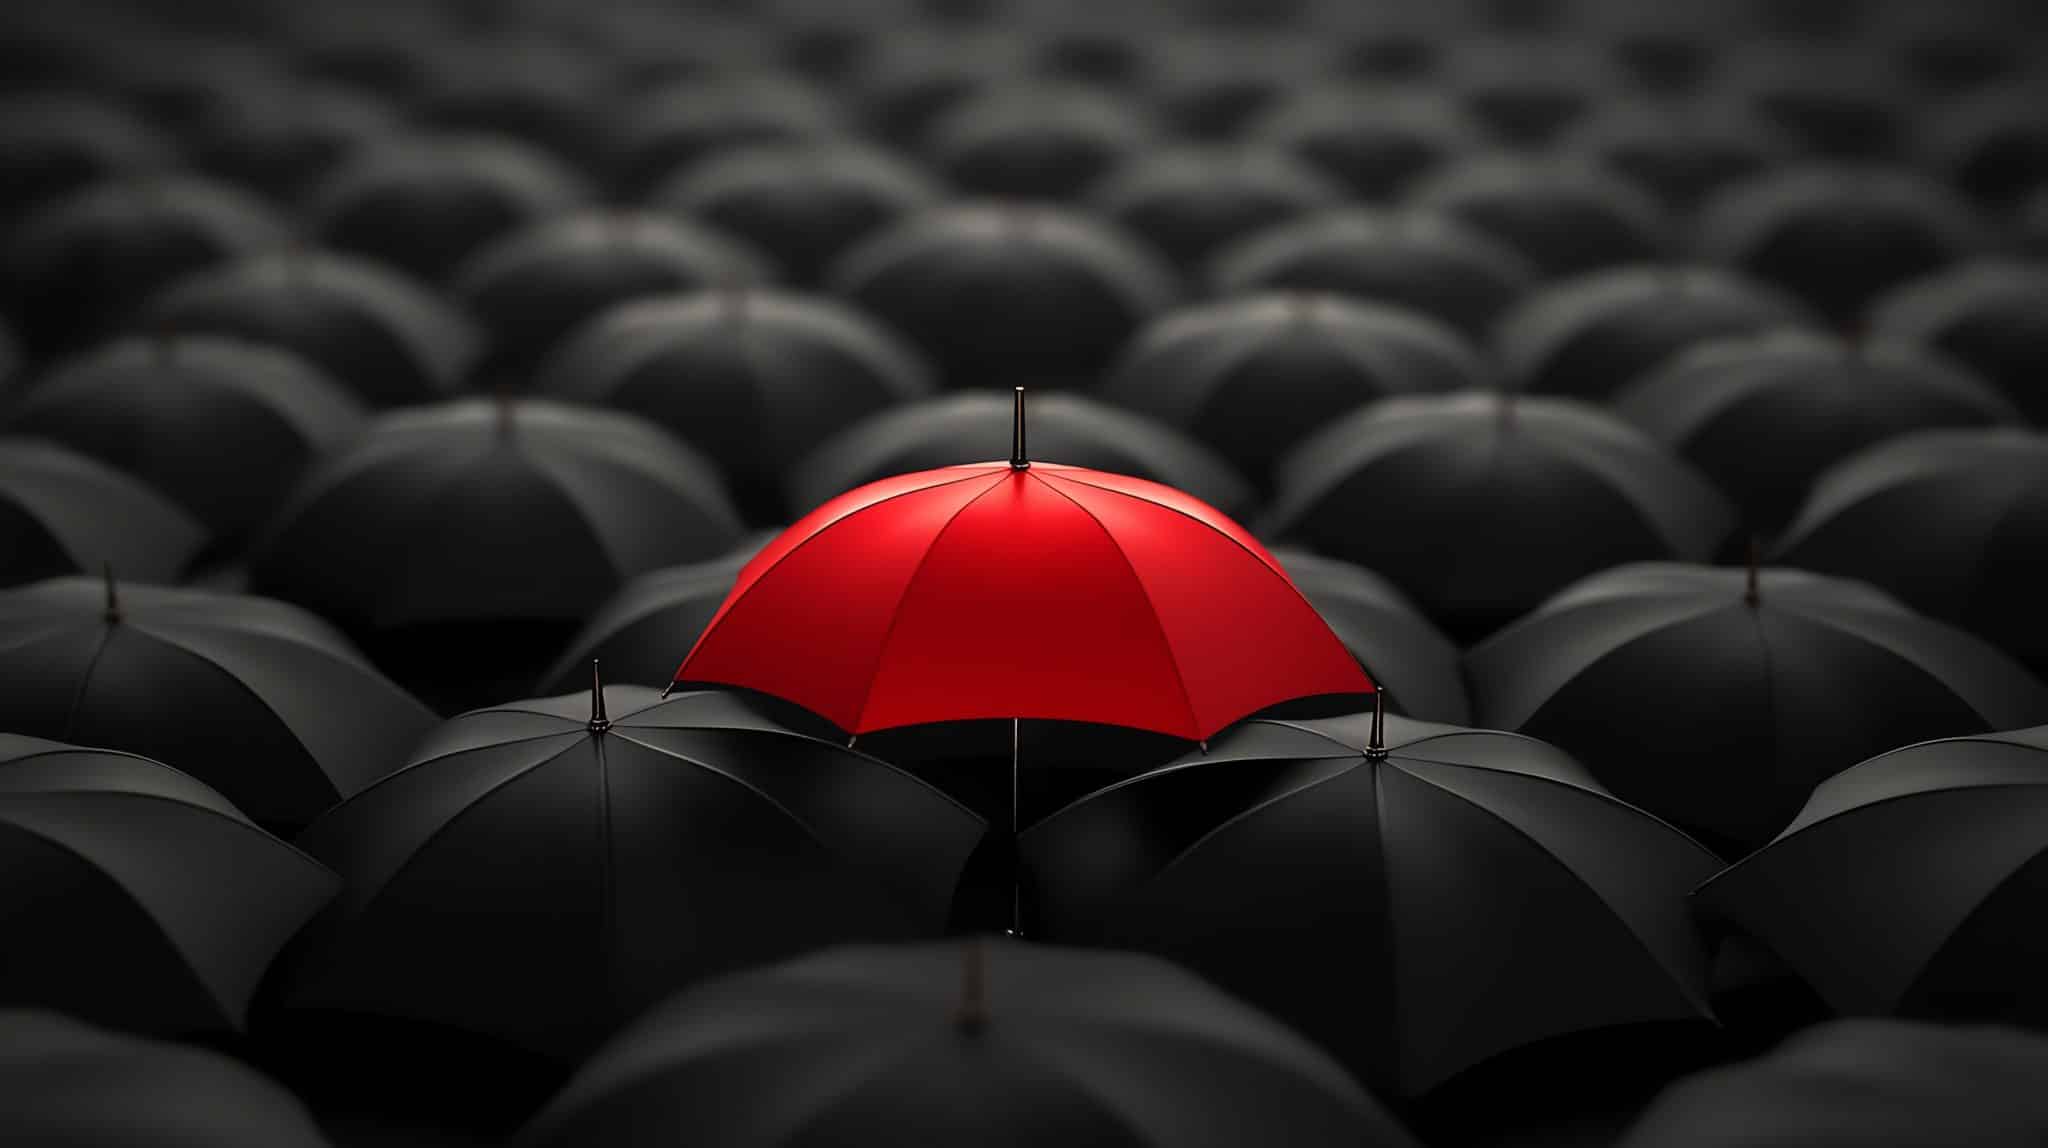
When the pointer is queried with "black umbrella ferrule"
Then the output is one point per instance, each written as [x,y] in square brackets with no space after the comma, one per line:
[1019,460]
[599,720]
[1376,745]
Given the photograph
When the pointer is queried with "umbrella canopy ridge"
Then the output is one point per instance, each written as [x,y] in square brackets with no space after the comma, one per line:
[62,512]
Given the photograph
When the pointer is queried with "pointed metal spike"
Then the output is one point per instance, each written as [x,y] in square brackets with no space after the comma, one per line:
[113,605]
[668,689]
[599,720]
[1019,459]
[1376,744]
[971,1017]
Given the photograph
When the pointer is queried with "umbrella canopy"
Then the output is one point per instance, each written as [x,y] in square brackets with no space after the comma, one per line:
[667,132]
[528,89]
[1995,146]
[2033,225]
[382,336]
[1254,376]
[637,631]
[220,426]
[1911,883]
[1189,203]
[1839,106]
[1428,263]
[1408,658]
[54,145]
[1376,143]
[1764,415]
[1990,316]
[1680,156]
[1527,90]
[968,1042]
[1213,85]
[531,289]
[1479,506]
[1953,522]
[755,379]
[970,426]
[425,204]
[82,268]
[1002,295]
[136,896]
[1035,140]
[1417,904]
[544,871]
[62,512]
[922,74]
[1719,699]
[1838,237]
[67,1085]
[1566,217]
[1594,335]
[283,145]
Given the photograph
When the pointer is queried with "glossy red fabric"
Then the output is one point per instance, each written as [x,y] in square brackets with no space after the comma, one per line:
[1052,592]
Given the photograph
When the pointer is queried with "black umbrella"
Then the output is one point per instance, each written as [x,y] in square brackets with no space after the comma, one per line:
[391,56]
[62,512]
[1838,237]
[1912,883]
[528,90]
[285,144]
[1995,145]
[1992,316]
[969,1042]
[385,338]
[1681,156]
[425,204]
[182,79]
[220,426]
[1189,203]
[1254,376]
[535,286]
[1479,506]
[642,632]
[1375,141]
[53,145]
[1565,216]
[81,269]
[2032,223]
[1001,295]
[1839,105]
[1593,335]
[804,204]
[667,132]
[67,1085]
[1427,263]
[1764,415]
[974,426]
[921,74]
[136,896]
[1213,85]
[754,379]
[1406,656]
[1418,903]
[1035,141]
[543,872]
[1718,699]
[1529,90]
[1953,522]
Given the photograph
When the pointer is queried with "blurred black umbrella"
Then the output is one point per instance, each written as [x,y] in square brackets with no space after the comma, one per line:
[1992,316]
[969,1042]
[1841,106]
[380,335]
[1764,415]
[1593,335]
[1565,216]
[974,426]
[425,204]
[669,131]
[1529,90]
[1035,141]
[1995,146]
[1212,85]
[67,1085]
[81,269]
[754,379]
[1109,52]
[921,75]
[391,56]
[1407,657]
[1863,1084]
[804,204]
[1374,140]
[1417,905]
[136,896]
[1681,156]
[1254,376]
[283,145]
[1838,237]
[1954,522]
[222,427]
[1479,506]
[62,512]
[641,633]
[544,871]
[1427,263]
[1000,295]
[51,146]
[539,93]
[1718,699]
[181,79]
[1188,203]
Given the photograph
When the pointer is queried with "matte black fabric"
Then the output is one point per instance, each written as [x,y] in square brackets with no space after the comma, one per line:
[54,145]
[284,144]
[642,633]
[1409,659]
[1026,141]
[1374,142]
[1189,204]
[62,512]
[696,121]
[1992,316]
[1564,216]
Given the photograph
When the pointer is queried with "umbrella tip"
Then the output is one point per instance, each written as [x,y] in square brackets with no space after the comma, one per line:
[1751,594]
[1376,743]
[971,1016]
[599,720]
[113,605]
[668,689]
[1019,460]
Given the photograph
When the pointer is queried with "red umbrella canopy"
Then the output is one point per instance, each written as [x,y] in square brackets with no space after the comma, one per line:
[998,590]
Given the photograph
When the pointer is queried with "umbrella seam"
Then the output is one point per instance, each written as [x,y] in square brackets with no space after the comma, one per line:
[85,680]
[142,627]
[1260,807]
[1761,853]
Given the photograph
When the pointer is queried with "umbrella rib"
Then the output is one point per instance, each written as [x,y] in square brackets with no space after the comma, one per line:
[1268,563]
[85,680]
[1261,806]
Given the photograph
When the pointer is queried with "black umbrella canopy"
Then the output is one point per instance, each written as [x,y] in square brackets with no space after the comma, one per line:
[1007,294]
[1838,237]
[423,204]
[975,426]
[968,1042]
[1866,1083]
[1211,84]
[2032,225]
[220,426]
[53,145]
[62,512]
[385,338]
[1565,216]
[1479,505]
[1417,908]
[544,871]
[665,133]
[64,1084]
[923,73]
[1839,105]
[181,79]
[1529,90]
[1591,336]
[1953,522]
[1035,140]
[1427,263]
[135,895]
[532,288]
[1254,376]
[390,57]
[1374,140]
[1682,156]
[804,204]
[82,269]
[1411,661]
[1765,415]
[642,633]
[1189,203]
[284,144]
[535,91]
[1995,146]
[1991,315]
[1718,698]
[754,379]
